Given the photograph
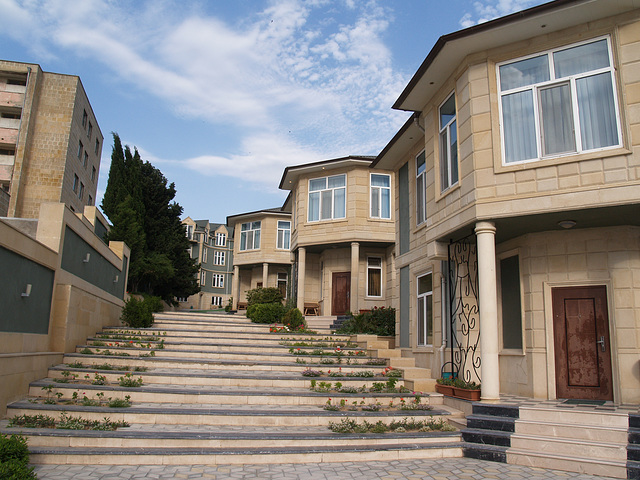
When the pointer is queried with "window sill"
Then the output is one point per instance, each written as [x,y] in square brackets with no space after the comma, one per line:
[559,160]
[512,352]
[324,222]
[448,191]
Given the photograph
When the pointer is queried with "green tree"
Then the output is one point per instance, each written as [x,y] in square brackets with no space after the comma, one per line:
[139,202]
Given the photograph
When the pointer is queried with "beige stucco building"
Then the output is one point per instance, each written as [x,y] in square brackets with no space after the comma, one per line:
[343,234]
[50,141]
[517,204]
[261,252]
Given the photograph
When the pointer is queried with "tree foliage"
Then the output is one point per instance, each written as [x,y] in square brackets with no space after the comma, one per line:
[139,203]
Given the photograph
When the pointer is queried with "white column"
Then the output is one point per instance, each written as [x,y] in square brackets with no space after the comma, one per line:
[488,299]
[235,286]
[355,270]
[265,274]
[302,261]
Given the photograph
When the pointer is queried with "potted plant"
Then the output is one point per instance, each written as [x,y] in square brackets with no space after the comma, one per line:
[466,390]
[229,307]
[445,386]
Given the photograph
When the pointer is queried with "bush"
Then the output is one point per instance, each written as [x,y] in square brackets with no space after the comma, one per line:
[263,295]
[265,312]
[154,303]
[14,458]
[379,321]
[294,319]
[137,314]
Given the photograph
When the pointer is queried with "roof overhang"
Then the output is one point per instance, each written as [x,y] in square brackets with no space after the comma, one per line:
[402,141]
[291,174]
[275,212]
[450,50]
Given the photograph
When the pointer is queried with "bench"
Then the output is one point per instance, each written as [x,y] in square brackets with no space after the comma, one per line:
[311,308]
[242,305]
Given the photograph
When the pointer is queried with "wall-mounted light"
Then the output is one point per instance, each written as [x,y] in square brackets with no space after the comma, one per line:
[27,291]
[567,224]
[86,259]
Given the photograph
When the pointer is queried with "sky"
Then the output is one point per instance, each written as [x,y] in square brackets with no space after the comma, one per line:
[222,95]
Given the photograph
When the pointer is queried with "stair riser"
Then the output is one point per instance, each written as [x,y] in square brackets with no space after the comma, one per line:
[211,419]
[500,424]
[570,448]
[178,333]
[159,362]
[578,433]
[83,442]
[240,459]
[303,382]
[604,469]
[217,347]
[574,417]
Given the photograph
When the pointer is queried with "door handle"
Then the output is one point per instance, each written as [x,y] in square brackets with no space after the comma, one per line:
[601,342]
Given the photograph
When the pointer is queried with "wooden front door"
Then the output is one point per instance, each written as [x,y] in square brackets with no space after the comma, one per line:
[582,346]
[341,293]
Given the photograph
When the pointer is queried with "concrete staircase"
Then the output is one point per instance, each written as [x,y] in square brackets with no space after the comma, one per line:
[572,438]
[218,389]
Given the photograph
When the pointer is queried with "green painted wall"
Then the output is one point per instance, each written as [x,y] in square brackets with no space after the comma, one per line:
[405,300]
[404,222]
[98,270]
[24,314]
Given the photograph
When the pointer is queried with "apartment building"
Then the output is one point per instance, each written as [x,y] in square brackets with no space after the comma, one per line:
[50,141]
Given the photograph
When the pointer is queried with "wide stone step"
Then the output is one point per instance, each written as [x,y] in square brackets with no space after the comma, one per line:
[240,378]
[589,466]
[568,446]
[216,414]
[242,455]
[161,361]
[575,416]
[198,394]
[182,332]
[592,433]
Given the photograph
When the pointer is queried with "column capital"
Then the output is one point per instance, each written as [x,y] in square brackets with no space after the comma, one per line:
[485,227]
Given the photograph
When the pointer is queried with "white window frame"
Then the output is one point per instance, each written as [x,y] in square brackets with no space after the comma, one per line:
[554,82]
[203,277]
[322,198]
[426,298]
[216,300]
[219,257]
[371,268]
[217,280]
[221,239]
[421,187]
[283,277]
[283,241]
[449,171]
[378,191]
[204,254]
[250,235]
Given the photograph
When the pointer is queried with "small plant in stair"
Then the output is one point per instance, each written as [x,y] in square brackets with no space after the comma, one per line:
[391,372]
[376,361]
[86,351]
[119,402]
[99,379]
[75,365]
[129,381]
[311,373]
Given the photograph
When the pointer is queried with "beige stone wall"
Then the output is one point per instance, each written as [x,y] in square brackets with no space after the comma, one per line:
[268,234]
[599,256]
[357,226]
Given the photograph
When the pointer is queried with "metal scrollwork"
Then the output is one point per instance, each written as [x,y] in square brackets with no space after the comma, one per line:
[464,320]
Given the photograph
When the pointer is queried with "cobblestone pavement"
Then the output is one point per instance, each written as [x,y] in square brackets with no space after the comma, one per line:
[440,469]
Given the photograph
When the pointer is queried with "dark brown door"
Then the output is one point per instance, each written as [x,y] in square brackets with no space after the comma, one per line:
[581,339]
[341,293]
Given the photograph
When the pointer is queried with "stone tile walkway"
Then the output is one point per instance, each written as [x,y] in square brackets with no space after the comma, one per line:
[441,469]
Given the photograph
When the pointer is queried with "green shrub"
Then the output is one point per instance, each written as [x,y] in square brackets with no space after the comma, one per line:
[379,321]
[265,312]
[294,319]
[16,470]
[263,295]
[154,303]
[137,314]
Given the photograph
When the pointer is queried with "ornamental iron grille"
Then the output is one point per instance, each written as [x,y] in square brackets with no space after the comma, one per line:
[464,314]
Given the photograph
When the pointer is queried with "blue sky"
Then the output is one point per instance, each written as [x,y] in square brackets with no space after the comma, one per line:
[221,95]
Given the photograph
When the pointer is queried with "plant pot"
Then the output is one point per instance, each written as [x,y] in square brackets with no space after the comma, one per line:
[473,395]
[444,389]
[231,312]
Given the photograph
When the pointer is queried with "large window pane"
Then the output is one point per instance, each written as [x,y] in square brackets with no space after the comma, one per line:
[385,203]
[598,125]
[557,120]
[581,59]
[336,181]
[444,164]
[420,213]
[519,127]
[318,184]
[380,180]
[326,196]
[375,202]
[314,206]
[453,151]
[525,72]
[256,241]
[447,111]
[340,208]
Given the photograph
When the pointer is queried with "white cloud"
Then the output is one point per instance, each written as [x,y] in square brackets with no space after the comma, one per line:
[490,9]
[301,80]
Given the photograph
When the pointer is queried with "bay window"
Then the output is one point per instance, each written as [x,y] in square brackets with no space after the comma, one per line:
[327,198]
[284,235]
[558,102]
[250,236]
